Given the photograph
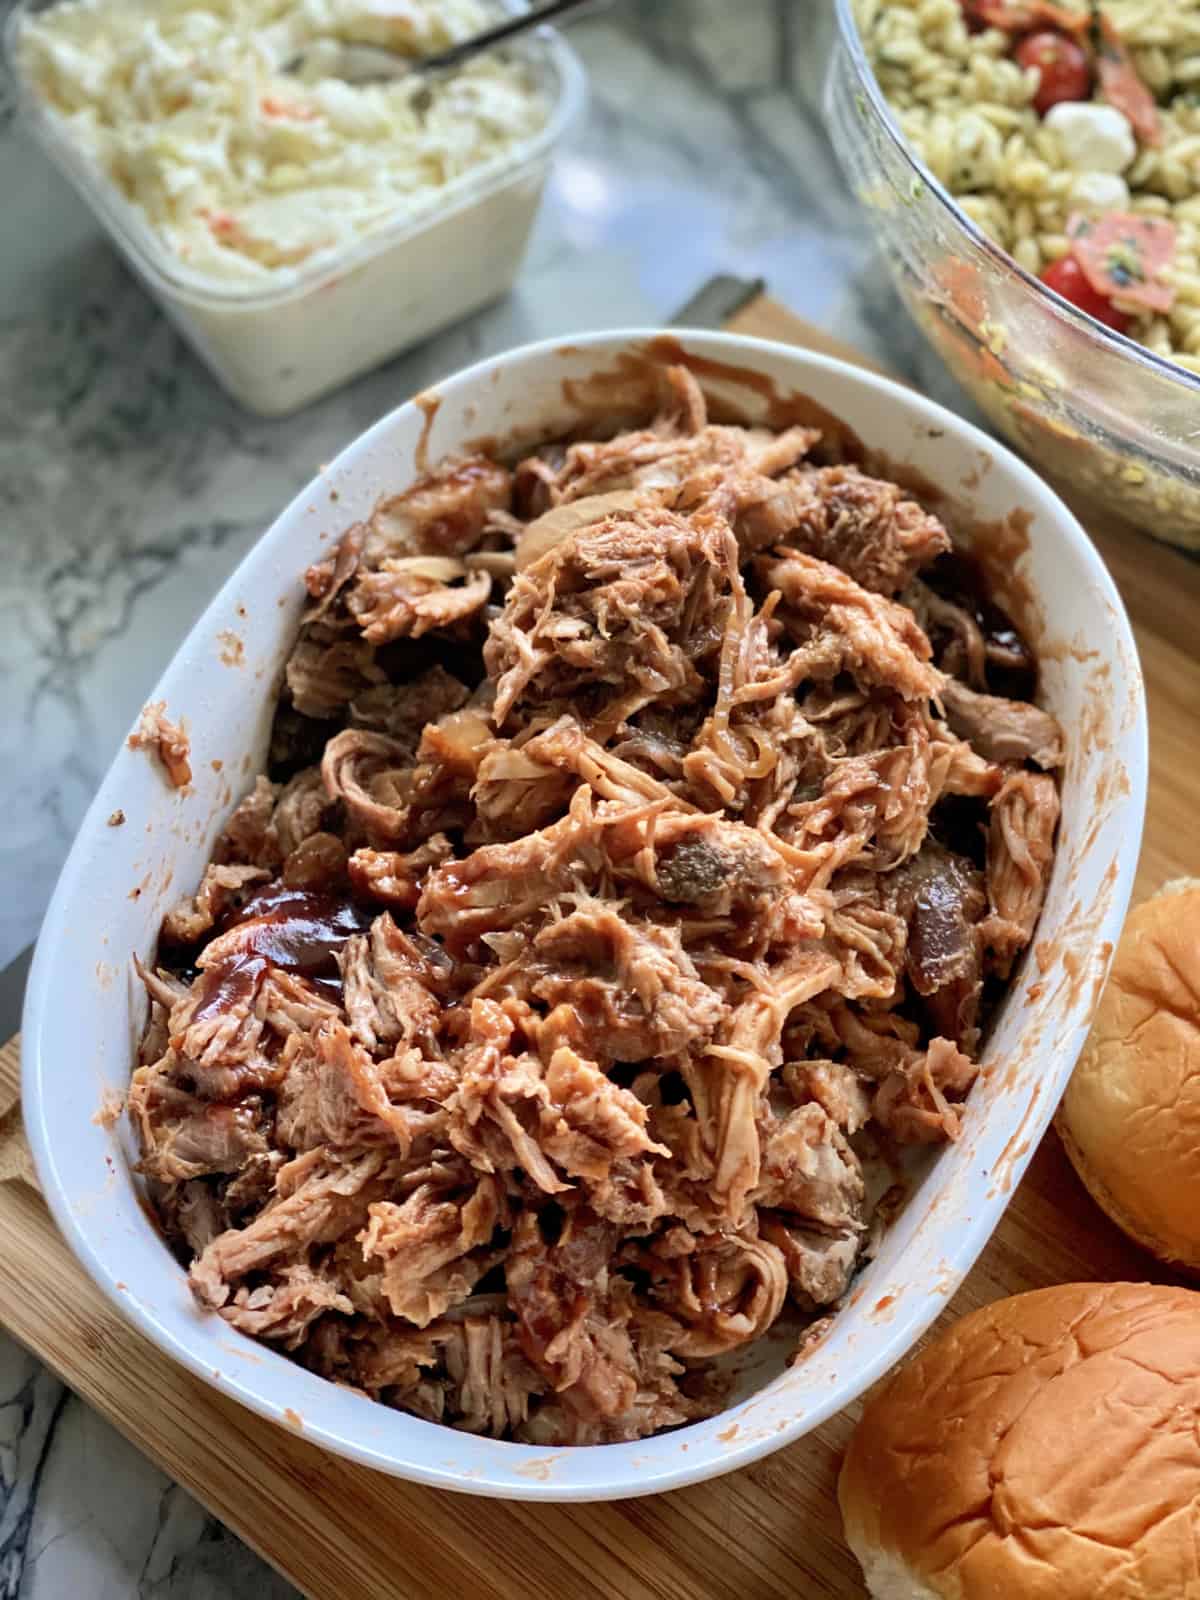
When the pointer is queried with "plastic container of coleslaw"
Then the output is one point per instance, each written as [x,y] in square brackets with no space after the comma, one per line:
[277,347]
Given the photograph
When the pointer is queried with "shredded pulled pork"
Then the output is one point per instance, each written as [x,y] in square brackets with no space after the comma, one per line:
[643,827]
[155,731]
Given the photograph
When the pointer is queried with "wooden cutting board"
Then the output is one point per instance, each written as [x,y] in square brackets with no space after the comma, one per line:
[342,1532]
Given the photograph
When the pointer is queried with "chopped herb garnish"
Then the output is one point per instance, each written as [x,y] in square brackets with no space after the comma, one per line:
[1123,262]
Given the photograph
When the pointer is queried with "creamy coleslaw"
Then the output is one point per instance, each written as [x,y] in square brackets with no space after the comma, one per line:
[244,170]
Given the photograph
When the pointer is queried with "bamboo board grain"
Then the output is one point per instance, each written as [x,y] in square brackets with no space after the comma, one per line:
[342,1532]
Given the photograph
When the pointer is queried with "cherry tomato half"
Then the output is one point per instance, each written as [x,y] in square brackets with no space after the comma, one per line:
[1066,277]
[1064,66]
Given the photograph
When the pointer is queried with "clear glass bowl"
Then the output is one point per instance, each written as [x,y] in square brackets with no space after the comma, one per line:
[1093,410]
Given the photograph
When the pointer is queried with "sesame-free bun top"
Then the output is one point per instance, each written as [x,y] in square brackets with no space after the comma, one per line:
[1130,1119]
[1046,1447]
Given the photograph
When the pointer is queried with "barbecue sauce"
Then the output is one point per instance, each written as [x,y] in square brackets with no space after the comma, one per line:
[298,930]
[227,985]
[961,579]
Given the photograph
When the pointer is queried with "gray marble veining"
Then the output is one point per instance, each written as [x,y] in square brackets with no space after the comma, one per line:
[130,486]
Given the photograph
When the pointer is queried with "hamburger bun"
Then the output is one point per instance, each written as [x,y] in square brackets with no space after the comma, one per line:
[1130,1119]
[1046,1447]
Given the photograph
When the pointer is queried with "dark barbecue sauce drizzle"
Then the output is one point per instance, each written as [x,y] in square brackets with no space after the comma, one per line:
[296,930]
[1011,668]
[228,984]
[299,930]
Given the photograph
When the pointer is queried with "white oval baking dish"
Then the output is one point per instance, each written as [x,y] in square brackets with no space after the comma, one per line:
[84,1010]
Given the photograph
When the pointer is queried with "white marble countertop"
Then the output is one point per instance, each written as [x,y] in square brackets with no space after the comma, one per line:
[131,486]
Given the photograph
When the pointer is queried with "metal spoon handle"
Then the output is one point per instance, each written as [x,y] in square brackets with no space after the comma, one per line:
[508,29]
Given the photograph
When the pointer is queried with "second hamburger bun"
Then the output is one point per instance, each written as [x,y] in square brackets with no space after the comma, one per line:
[1046,1447]
[1130,1119]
